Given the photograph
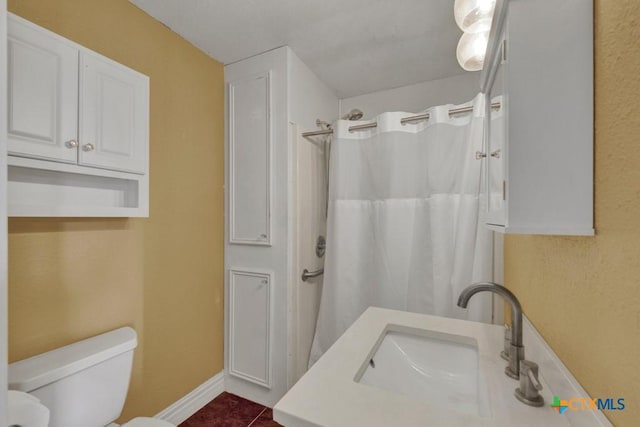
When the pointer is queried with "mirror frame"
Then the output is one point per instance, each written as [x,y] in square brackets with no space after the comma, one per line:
[488,73]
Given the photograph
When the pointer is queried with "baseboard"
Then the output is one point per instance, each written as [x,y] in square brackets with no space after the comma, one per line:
[192,402]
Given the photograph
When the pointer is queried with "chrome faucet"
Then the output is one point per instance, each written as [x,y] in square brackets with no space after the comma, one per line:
[516,349]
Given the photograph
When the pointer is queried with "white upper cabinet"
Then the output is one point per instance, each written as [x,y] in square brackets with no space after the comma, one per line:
[539,145]
[78,129]
[113,115]
[42,95]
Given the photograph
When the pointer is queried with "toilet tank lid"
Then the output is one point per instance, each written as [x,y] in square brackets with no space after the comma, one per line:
[37,371]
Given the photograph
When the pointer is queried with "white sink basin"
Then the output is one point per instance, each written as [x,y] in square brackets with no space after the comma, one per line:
[429,371]
[438,368]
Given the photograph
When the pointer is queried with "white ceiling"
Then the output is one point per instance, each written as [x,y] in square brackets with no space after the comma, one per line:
[354,46]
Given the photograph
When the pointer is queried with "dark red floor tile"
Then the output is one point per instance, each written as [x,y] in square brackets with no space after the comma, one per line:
[226,410]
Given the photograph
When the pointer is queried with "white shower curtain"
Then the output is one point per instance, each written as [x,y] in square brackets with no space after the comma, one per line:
[403,228]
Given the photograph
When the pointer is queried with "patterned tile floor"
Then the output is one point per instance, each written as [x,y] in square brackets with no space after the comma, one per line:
[229,410]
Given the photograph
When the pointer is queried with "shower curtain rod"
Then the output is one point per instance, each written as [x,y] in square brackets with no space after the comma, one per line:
[419,117]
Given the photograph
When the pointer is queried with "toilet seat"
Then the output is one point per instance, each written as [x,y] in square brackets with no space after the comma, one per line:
[147,422]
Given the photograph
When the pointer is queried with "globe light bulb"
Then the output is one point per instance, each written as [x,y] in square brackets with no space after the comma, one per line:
[471,50]
[474,16]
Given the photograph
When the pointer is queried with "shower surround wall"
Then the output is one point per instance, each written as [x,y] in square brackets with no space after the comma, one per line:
[271,97]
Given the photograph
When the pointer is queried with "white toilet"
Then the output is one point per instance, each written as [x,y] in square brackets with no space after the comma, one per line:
[83,384]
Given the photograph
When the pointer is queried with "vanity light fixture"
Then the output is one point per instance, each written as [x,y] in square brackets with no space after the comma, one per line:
[474,18]
[471,50]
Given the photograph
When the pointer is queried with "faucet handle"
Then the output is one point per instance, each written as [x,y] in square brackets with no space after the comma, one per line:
[530,369]
[530,385]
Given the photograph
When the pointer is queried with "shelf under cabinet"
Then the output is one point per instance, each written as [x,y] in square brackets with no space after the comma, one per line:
[40,188]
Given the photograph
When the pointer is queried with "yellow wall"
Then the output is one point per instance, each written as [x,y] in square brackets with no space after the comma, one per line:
[583,293]
[73,278]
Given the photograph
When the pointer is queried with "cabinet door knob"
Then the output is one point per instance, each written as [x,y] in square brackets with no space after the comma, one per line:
[88,147]
[496,154]
[72,144]
[480,155]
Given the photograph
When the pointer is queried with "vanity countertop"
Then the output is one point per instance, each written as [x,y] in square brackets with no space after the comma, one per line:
[328,394]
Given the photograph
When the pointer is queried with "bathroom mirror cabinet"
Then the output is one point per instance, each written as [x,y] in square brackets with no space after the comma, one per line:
[538,150]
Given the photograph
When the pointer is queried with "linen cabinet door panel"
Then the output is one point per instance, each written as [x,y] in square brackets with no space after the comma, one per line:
[114,122]
[42,94]
[249,326]
[249,161]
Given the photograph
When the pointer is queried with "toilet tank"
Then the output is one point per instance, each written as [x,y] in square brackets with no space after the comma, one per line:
[83,384]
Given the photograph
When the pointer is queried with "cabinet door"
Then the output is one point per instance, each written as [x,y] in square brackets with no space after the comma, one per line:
[114,122]
[249,326]
[42,94]
[250,161]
